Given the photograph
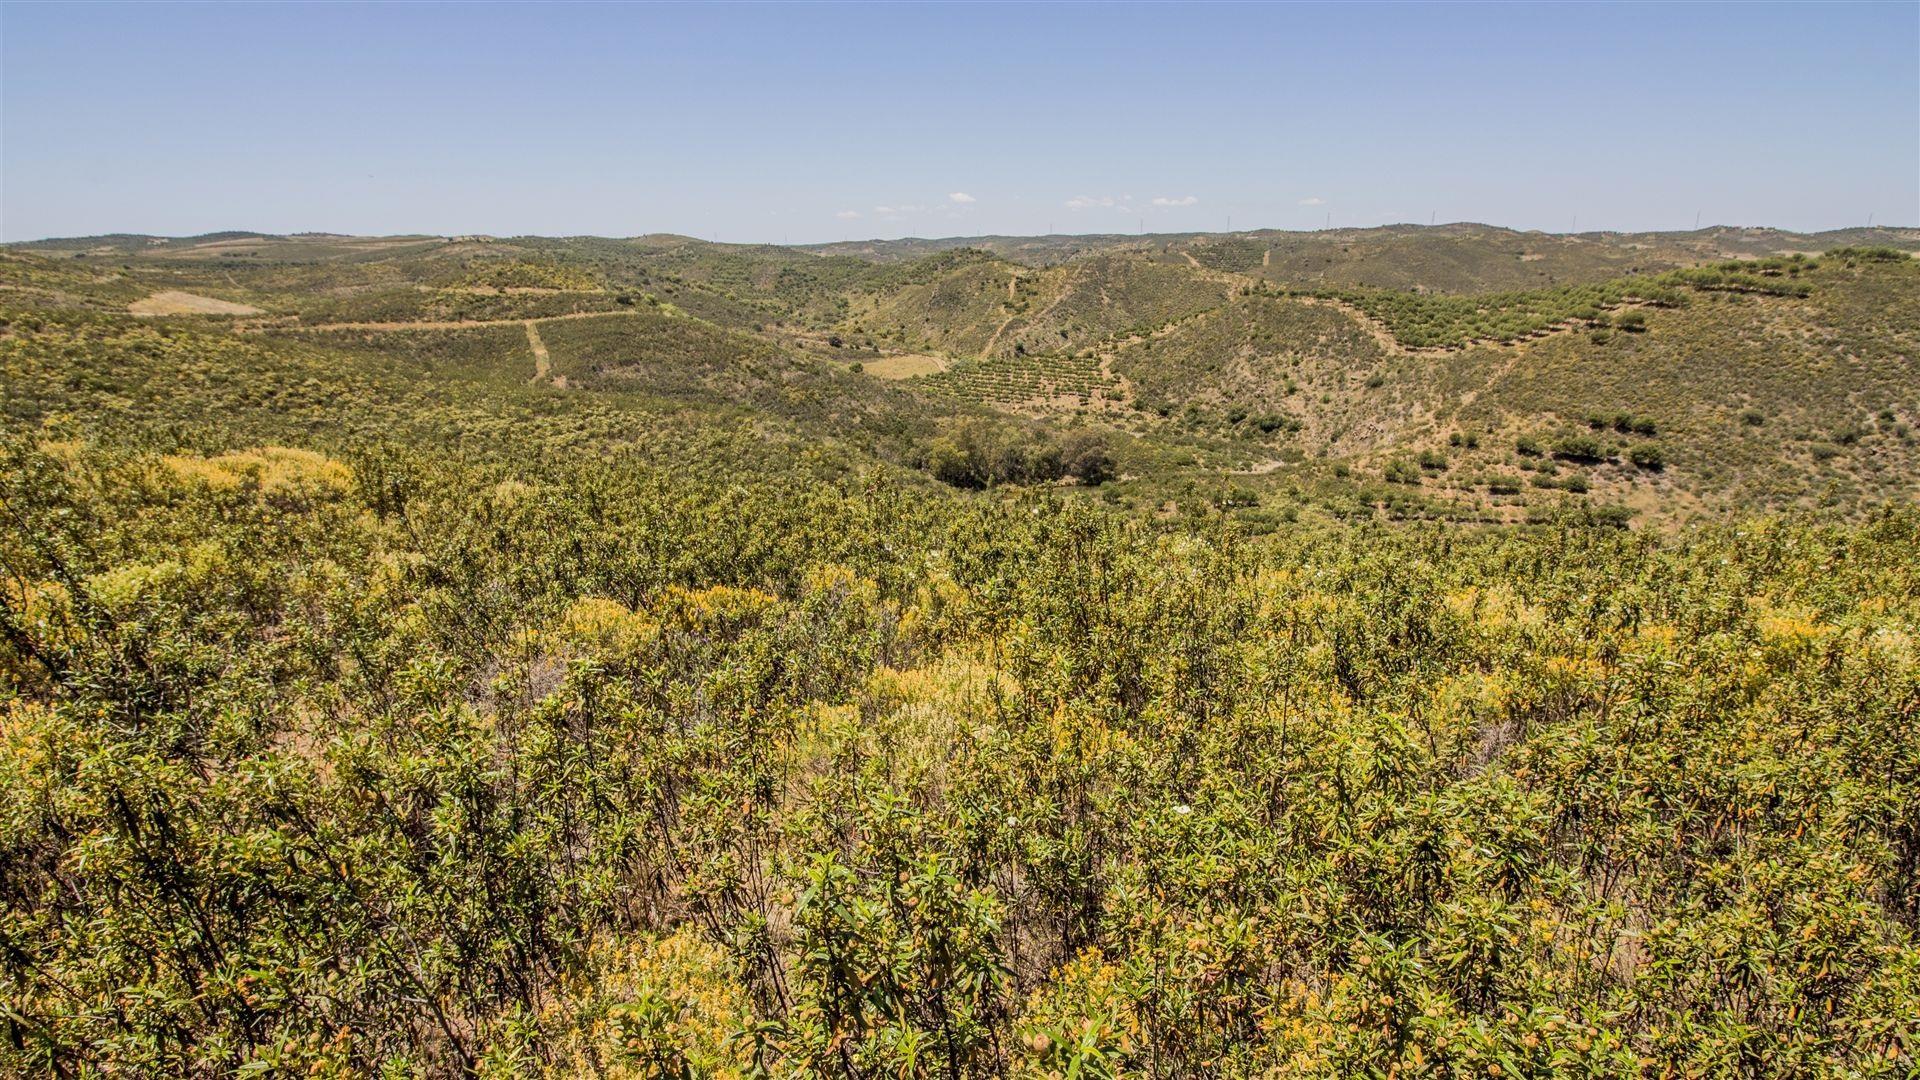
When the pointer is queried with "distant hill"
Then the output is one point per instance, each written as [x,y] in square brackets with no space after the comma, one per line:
[1446,258]
[1459,371]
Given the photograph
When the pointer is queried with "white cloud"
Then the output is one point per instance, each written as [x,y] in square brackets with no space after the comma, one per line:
[896,211]
[1167,200]
[1313,200]
[960,197]
[1099,202]
[847,215]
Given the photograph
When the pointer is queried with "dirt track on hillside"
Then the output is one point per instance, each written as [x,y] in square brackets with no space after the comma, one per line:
[471,324]
[542,362]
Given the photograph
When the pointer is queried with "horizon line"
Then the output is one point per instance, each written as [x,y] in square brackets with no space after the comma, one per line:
[453,236]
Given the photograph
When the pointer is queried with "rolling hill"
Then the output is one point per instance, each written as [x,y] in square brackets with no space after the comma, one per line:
[1403,371]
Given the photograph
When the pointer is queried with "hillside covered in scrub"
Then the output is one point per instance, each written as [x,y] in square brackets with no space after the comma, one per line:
[1404,652]
[1491,377]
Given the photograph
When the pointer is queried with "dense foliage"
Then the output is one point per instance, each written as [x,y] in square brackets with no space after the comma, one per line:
[387,764]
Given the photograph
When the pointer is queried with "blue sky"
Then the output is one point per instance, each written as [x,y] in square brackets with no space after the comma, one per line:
[817,122]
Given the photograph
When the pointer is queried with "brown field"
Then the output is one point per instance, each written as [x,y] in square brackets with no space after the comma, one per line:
[904,366]
[172,302]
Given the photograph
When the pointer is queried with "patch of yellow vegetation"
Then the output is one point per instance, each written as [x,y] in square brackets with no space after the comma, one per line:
[1790,629]
[678,999]
[1654,638]
[173,302]
[36,601]
[276,469]
[950,682]
[609,629]
[1085,1005]
[121,588]
[1788,626]
[1573,668]
[67,450]
[1468,698]
[925,720]
[606,626]
[1274,594]
[1492,608]
[509,492]
[713,608]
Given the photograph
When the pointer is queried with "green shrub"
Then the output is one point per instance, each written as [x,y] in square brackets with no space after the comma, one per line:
[1868,254]
[1401,471]
[1584,449]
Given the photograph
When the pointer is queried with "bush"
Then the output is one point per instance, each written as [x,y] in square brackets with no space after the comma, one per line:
[1401,471]
[983,454]
[1239,496]
[1087,457]
[1648,456]
[1584,449]
[1868,254]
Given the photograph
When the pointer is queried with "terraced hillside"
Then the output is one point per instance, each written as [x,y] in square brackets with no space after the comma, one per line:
[1052,381]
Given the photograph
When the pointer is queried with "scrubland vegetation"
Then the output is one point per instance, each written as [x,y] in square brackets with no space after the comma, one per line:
[1323,690]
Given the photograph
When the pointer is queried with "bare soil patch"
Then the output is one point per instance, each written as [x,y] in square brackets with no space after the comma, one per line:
[903,366]
[172,302]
